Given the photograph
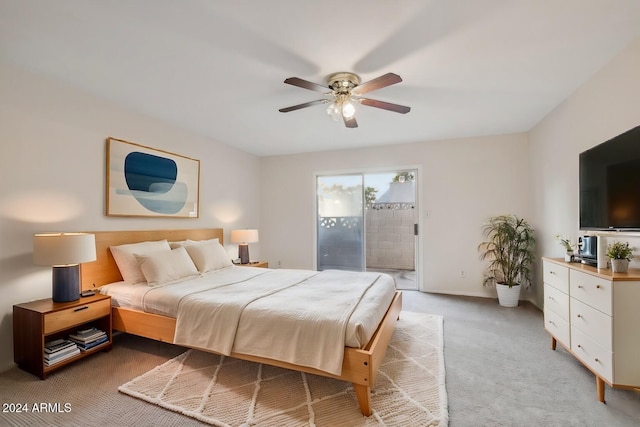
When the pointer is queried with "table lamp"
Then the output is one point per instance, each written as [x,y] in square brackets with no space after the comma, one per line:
[243,237]
[64,252]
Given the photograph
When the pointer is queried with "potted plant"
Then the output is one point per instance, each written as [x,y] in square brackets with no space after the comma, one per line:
[620,254]
[568,246]
[509,250]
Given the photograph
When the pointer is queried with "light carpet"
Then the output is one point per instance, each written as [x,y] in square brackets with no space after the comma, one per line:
[222,391]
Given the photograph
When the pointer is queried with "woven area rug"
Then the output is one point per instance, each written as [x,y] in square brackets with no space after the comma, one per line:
[222,391]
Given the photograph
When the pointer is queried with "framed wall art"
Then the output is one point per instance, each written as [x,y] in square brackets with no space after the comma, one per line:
[142,181]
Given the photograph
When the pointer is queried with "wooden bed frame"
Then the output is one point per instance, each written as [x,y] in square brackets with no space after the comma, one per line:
[359,366]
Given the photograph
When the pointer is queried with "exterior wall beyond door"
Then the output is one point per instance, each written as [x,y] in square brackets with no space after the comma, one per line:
[390,236]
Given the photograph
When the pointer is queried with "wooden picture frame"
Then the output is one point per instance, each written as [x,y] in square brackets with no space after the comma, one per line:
[145,182]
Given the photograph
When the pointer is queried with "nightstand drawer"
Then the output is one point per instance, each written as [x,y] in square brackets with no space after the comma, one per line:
[64,319]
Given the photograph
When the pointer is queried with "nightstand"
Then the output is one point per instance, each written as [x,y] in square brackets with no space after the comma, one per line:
[261,264]
[38,322]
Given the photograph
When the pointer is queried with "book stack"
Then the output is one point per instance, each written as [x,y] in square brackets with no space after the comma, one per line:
[86,339]
[58,350]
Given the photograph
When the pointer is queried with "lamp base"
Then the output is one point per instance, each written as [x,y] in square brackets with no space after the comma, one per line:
[243,253]
[66,283]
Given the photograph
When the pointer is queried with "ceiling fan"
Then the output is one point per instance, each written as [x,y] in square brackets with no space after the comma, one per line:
[345,90]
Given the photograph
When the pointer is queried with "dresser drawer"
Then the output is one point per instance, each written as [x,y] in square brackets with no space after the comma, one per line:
[594,356]
[556,276]
[64,319]
[556,301]
[592,290]
[593,323]
[557,326]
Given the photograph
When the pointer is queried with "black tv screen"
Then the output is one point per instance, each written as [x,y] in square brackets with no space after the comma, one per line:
[610,184]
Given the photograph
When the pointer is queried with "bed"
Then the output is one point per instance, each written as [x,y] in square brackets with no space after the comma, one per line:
[359,362]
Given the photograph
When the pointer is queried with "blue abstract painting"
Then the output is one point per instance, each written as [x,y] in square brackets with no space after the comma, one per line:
[148,182]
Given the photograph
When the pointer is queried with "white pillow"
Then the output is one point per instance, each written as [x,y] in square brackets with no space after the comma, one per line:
[208,255]
[185,243]
[182,243]
[164,267]
[127,263]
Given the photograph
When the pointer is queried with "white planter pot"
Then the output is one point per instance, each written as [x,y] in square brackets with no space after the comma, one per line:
[620,265]
[508,296]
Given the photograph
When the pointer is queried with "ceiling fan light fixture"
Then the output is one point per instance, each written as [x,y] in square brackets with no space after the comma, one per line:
[348,110]
[334,111]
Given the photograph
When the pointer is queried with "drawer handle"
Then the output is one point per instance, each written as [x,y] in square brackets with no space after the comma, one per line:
[597,286]
[551,321]
[579,316]
[579,286]
[81,308]
[551,298]
[596,359]
[552,272]
[579,346]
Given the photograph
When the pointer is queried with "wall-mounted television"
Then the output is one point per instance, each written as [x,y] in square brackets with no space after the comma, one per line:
[610,184]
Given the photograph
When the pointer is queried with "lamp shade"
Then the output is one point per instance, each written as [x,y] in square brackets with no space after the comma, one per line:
[59,249]
[244,236]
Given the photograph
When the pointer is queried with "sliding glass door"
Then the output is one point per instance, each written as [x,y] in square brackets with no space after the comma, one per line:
[340,222]
[369,222]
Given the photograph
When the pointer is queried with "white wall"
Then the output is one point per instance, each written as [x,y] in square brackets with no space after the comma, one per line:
[607,105]
[460,182]
[52,161]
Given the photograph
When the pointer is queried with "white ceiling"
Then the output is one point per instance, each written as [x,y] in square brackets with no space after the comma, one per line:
[470,67]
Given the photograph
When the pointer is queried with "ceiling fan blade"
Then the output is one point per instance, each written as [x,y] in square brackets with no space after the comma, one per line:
[350,122]
[305,84]
[377,83]
[384,105]
[306,104]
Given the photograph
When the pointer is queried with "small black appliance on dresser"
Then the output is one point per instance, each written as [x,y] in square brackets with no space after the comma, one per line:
[588,249]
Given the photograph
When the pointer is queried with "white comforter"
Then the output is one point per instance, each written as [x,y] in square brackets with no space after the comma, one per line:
[297,316]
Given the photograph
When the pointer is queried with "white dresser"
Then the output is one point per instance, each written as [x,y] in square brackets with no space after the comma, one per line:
[595,315]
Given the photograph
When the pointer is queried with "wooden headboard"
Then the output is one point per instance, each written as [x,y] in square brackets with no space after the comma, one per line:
[104,269]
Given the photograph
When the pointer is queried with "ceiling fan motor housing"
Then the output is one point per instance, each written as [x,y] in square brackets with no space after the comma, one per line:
[343,82]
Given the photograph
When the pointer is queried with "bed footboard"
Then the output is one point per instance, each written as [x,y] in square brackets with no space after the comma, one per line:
[359,366]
